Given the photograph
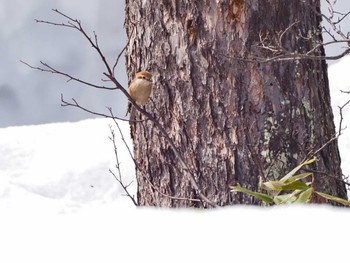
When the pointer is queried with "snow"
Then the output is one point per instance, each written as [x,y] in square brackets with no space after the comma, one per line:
[339,80]
[64,162]
[60,204]
[148,235]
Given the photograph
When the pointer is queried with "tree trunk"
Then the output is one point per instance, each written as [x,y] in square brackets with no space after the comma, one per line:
[235,122]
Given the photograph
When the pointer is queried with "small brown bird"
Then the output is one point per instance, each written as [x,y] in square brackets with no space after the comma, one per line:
[140,89]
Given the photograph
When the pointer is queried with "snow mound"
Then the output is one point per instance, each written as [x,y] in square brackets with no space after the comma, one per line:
[66,164]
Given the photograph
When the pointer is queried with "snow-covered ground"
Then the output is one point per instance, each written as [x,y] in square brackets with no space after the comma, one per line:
[63,166]
[114,234]
[59,203]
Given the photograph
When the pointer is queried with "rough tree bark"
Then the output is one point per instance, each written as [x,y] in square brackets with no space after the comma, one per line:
[234,121]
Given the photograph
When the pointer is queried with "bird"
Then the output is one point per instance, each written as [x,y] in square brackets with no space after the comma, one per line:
[139,90]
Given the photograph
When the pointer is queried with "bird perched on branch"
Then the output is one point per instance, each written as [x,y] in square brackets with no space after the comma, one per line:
[139,90]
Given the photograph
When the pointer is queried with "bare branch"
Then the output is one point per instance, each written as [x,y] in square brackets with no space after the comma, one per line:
[77,25]
[282,34]
[296,56]
[66,16]
[122,51]
[345,180]
[119,177]
[285,57]
[274,44]
[118,57]
[336,136]
[75,104]
[332,24]
[55,24]
[121,134]
[49,69]
[343,16]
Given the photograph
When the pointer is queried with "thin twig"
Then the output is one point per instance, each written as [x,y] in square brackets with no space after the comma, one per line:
[76,24]
[337,134]
[121,134]
[281,35]
[65,103]
[119,177]
[49,69]
[121,52]
[125,187]
[286,57]
[279,53]
[329,18]
[326,174]
[118,57]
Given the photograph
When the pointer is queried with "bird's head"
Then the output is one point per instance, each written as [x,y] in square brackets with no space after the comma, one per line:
[144,75]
